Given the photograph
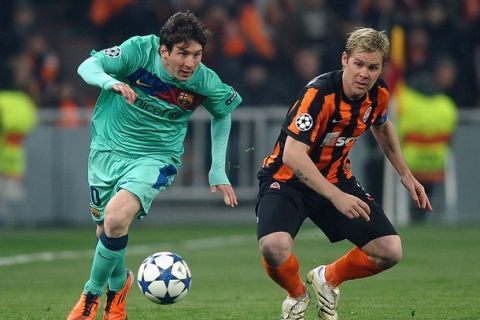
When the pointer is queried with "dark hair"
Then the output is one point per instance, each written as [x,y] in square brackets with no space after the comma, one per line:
[183,27]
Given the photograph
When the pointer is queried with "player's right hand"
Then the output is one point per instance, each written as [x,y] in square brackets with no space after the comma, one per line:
[125,90]
[351,206]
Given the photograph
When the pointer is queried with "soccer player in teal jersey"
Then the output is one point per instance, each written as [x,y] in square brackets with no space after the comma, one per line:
[150,87]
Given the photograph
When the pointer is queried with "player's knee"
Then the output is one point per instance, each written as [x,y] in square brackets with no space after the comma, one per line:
[385,251]
[276,247]
[392,253]
[115,225]
[393,256]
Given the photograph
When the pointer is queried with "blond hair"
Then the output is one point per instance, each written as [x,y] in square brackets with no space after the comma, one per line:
[368,40]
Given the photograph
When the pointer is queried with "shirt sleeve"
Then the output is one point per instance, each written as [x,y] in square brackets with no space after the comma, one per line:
[220,130]
[110,66]
[221,99]
[305,118]
[383,102]
[381,119]
[91,70]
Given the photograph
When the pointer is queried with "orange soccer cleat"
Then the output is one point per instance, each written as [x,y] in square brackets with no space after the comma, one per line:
[116,307]
[86,307]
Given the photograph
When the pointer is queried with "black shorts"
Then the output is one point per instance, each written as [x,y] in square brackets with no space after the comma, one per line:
[281,207]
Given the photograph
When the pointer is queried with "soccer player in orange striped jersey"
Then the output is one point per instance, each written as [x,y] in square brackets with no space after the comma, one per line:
[308,176]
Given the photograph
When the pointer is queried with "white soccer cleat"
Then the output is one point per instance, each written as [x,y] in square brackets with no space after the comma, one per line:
[294,308]
[327,296]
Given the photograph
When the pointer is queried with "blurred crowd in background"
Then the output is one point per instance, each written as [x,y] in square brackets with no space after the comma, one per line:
[266,49]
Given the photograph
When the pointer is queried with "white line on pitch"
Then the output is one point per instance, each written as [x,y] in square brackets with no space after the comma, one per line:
[203,243]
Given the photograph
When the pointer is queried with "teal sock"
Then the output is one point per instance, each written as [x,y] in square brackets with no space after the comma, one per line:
[108,253]
[118,278]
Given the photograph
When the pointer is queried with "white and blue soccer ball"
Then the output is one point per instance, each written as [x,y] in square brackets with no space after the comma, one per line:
[164,278]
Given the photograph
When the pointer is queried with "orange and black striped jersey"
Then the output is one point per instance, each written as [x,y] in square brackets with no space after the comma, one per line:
[326,120]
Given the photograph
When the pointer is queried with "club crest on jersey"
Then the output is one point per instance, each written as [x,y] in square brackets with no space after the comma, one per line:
[304,122]
[185,99]
[367,114]
[113,52]
[275,185]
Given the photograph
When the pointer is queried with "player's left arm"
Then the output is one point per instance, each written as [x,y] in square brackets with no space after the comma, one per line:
[221,100]
[387,138]
[217,177]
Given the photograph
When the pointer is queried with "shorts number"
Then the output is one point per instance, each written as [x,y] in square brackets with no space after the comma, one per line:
[95,196]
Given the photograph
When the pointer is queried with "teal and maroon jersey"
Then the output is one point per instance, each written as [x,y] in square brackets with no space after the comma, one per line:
[155,125]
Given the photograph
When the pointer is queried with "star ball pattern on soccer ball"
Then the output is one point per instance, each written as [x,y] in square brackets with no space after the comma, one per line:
[164,278]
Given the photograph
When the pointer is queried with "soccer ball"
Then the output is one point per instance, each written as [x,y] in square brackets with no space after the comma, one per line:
[164,278]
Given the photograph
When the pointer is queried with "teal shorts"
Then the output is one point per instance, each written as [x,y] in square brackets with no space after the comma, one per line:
[109,172]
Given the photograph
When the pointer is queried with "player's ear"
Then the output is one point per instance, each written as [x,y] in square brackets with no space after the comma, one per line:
[163,51]
[344,59]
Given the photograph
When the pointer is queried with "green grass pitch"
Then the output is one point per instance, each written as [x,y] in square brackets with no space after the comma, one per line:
[42,274]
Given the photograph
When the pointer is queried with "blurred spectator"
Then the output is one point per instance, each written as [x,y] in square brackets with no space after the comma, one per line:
[315,19]
[37,71]
[39,52]
[306,65]
[70,111]
[260,87]
[17,120]
[285,26]
[448,81]
[442,30]
[426,122]
[115,20]
[101,11]
[250,36]
[418,50]
[469,63]
[385,14]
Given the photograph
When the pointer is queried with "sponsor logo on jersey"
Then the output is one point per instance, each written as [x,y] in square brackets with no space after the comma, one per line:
[332,139]
[95,212]
[113,52]
[158,110]
[304,122]
[143,84]
[367,114]
[185,99]
[275,185]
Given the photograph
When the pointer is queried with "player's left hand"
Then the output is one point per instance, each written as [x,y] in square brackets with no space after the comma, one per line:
[417,192]
[127,92]
[229,196]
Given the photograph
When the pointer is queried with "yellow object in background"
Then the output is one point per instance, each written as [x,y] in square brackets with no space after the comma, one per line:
[426,124]
[18,118]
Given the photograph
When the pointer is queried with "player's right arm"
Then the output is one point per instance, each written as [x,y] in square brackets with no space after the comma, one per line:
[106,68]
[296,157]
[93,73]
